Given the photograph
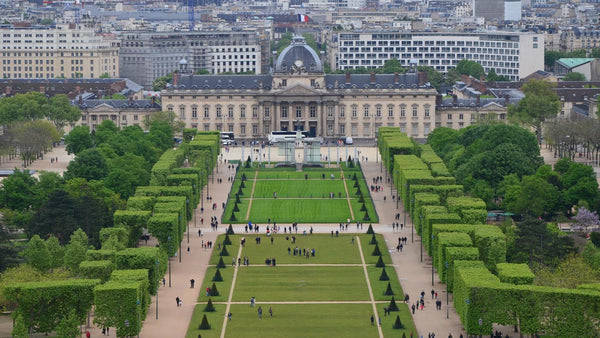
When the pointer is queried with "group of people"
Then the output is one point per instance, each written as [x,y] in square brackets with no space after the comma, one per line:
[307,252]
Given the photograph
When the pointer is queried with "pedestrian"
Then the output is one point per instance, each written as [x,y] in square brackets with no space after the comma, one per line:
[192,282]
[259,312]
[164,281]
[87,334]
[229,316]
[252,301]
[372,320]
[271,311]
[178,300]
[207,291]
[432,293]
[379,321]
[413,308]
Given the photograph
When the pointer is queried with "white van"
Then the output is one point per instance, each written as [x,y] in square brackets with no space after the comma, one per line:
[349,140]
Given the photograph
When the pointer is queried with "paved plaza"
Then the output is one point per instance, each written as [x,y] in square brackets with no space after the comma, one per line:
[413,268]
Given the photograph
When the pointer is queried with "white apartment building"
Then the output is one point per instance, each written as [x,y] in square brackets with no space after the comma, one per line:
[512,54]
[64,51]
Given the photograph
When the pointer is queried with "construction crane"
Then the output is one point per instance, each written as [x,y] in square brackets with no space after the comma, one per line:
[191,20]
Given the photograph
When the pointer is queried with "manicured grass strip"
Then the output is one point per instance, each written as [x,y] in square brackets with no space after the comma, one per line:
[295,175]
[387,322]
[215,319]
[368,249]
[223,286]
[301,283]
[302,320]
[302,211]
[379,287]
[299,188]
[331,250]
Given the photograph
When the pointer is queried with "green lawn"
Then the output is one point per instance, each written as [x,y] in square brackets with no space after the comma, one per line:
[293,187]
[299,210]
[215,319]
[302,320]
[342,252]
[299,188]
[301,283]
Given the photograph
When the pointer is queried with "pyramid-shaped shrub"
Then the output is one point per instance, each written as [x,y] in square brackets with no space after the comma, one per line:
[230,229]
[373,240]
[384,275]
[376,251]
[224,251]
[214,292]
[393,306]
[227,240]
[398,323]
[380,263]
[204,325]
[389,291]
[217,277]
[221,264]
[370,229]
[209,306]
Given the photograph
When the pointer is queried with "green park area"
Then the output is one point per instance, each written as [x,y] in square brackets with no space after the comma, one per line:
[313,195]
[326,294]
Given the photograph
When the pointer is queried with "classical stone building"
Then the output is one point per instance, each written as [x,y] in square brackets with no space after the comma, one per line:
[299,95]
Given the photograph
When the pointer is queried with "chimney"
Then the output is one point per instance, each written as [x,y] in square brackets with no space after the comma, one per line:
[131,100]
[455,100]
[152,100]
[438,100]
[506,99]
[175,78]
[372,78]
[422,76]
[396,78]
[478,100]
[348,78]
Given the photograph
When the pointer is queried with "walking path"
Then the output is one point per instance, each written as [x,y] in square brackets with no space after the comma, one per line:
[347,195]
[364,265]
[227,309]
[252,194]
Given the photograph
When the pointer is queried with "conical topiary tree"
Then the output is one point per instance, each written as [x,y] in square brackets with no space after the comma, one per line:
[354,177]
[384,275]
[221,264]
[358,192]
[363,207]
[227,240]
[235,207]
[376,251]
[398,323]
[204,325]
[404,334]
[392,306]
[380,263]
[242,185]
[209,306]
[237,198]
[361,199]
[214,292]
[240,192]
[366,217]
[224,251]
[232,217]
[230,230]
[373,240]
[370,229]
[217,277]
[248,162]
[356,184]
[388,290]
[244,177]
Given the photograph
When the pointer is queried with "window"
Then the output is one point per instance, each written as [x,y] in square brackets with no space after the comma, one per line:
[342,129]
[284,111]
[267,111]
[254,112]
[354,130]
[182,113]
[206,112]
[461,116]
[378,111]
[329,111]
[298,111]
[366,111]
[243,112]
[354,108]
[402,111]
[267,129]
[124,118]
[426,128]
[218,112]
[206,127]
[313,111]
[449,116]
[219,127]
[415,129]
[367,129]
[415,110]
[230,112]
[243,129]
[330,129]
[342,111]
[194,112]
[255,129]
[403,127]
[135,117]
[391,111]
[426,111]
[230,128]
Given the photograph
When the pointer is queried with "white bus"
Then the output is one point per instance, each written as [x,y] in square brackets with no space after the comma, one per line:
[282,136]
[227,138]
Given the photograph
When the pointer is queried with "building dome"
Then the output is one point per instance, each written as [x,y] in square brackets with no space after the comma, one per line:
[298,58]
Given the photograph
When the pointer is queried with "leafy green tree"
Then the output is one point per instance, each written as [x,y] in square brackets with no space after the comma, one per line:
[32,138]
[105,131]
[574,76]
[57,217]
[37,254]
[88,164]
[126,174]
[48,181]
[105,76]
[160,83]
[8,251]
[540,243]
[595,53]
[540,102]
[492,76]
[573,271]
[533,197]
[201,72]
[392,66]
[580,183]
[61,112]
[18,190]
[550,58]
[440,138]
[78,140]
[433,76]
[471,68]
[56,252]
[161,135]
[68,327]
[76,249]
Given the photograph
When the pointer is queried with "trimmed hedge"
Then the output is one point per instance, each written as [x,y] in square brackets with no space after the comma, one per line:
[163,227]
[145,203]
[118,304]
[136,275]
[96,269]
[100,255]
[455,253]
[144,258]
[135,220]
[429,220]
[491,242]
[518,274]
[446,240]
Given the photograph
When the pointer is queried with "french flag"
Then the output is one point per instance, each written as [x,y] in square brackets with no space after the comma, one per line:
[302,18]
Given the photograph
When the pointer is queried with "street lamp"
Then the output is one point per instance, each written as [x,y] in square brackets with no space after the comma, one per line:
[157,287]
[431,259]
[169,242]
[467,321]
[447,309]
[139,325]
[420,222]
[187,200]
[201,190]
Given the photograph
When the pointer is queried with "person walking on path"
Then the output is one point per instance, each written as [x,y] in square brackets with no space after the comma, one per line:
[271,311]
[372,320]
[259,312]
[252,301]
[177,300]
